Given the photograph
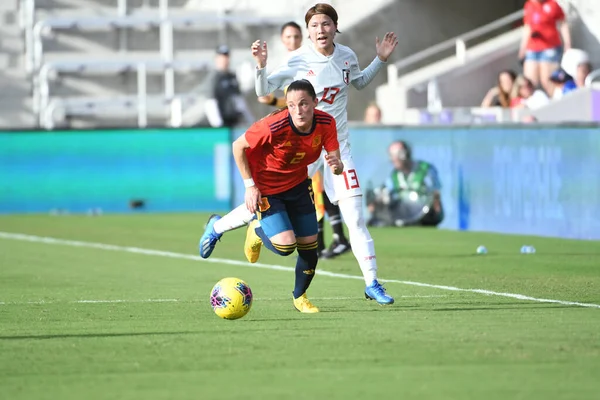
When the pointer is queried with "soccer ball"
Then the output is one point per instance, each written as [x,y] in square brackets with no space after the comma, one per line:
[231,298]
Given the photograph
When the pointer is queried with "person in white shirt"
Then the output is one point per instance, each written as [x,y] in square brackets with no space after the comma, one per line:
[331,68]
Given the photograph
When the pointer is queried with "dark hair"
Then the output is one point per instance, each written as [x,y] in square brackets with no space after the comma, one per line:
[291,24]
[322,8]
[503,97]
[304,85]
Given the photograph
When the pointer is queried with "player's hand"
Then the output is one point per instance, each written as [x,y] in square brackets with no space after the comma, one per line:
[336,165]
[259,52]
[251,198]
[386,46]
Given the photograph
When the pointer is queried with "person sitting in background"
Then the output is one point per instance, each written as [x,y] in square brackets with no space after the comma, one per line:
[524,95]
[576,63]
[372,114]
[563,83]
[226,107]
[499,95]
[410,195]
[541,46]
[583,70]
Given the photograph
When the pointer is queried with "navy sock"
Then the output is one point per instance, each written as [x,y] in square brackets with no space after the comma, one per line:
[306,265]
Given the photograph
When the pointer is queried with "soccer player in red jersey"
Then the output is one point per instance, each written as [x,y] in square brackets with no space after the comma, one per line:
[273,158]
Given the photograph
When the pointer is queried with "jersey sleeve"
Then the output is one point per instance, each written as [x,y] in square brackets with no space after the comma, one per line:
[330,141]
[559,14]
[278,79]
[258,134]
[360,79]
[527,14]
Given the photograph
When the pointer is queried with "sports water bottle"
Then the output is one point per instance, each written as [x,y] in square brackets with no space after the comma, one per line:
[527,250]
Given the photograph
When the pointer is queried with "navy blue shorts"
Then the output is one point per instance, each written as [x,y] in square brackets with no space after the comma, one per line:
[293,209]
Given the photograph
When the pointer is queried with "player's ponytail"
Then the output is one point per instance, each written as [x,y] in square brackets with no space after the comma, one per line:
[303,85]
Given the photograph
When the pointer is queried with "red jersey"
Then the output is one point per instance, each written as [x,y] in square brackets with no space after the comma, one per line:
[542,18]
[279,154]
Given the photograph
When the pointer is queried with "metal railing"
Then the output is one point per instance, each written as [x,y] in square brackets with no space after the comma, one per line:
[459,43]
[49,71]
[41,73]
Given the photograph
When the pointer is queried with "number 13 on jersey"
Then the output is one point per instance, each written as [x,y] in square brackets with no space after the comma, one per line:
[351,179]
[329,94]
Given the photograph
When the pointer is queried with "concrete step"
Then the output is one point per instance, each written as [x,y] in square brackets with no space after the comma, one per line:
[13,92]
[120,84]
[11,44]
[91,4]
[17,121]
[9,6]
[15,75]
[195,59]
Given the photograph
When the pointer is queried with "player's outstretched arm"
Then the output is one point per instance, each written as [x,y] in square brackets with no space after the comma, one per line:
[333,159]
[252,195]
[280,78]
[260,53]
[384,49]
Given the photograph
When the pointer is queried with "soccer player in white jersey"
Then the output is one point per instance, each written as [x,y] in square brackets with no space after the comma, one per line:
[331,68]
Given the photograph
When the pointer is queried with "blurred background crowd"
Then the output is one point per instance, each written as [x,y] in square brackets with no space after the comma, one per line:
[73,64]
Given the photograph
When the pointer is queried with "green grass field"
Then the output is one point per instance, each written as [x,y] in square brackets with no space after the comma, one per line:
[80,322]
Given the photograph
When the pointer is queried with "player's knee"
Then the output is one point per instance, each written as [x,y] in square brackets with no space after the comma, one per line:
[308,252]
[284,249]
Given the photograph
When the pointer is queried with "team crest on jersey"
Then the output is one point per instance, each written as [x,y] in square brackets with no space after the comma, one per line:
[316,141]
[346,75]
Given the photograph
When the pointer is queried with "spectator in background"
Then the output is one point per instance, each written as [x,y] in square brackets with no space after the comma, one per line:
[563,83]
[372,114]
[583,70]
[576,63]
[410,195]
[291,37]
[541,46]
[499,95]
[525,95]
[227,106]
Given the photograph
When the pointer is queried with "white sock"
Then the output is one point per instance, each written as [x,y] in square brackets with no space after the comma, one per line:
[360,238]
[236,218]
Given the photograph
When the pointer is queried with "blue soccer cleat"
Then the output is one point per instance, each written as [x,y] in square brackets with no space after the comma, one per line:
[375,291]
[209,238]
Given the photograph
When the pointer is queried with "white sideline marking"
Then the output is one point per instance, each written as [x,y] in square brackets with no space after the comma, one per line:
[137,250]
[12,303]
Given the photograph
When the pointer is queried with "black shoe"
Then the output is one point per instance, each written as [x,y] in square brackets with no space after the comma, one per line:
[336,248]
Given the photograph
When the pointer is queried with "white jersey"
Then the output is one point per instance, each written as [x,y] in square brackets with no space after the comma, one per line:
[330,76]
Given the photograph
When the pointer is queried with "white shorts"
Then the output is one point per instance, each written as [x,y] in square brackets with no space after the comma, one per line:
[340,186]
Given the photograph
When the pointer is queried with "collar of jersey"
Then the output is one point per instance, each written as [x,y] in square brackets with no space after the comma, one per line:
[312,128]
[312,46]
